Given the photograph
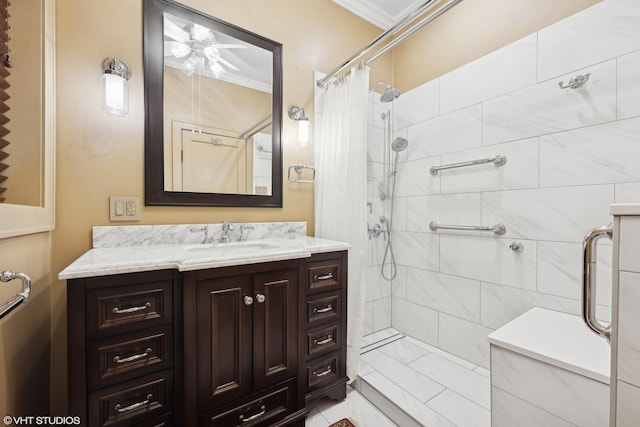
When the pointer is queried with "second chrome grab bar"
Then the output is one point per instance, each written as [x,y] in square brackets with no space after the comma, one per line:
[497,160]
[21,297]
[588,280]
[498,228]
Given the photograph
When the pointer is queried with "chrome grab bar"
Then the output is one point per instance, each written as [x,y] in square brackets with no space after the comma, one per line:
[498,228]
[588,280]
[21,297]
[497,160]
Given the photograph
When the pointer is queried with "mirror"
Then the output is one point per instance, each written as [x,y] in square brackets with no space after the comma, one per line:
[213,100]
[26,117]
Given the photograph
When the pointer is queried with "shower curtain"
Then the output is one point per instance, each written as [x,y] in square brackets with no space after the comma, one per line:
[341,190]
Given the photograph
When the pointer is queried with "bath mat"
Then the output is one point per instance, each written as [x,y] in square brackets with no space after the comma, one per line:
[345,422]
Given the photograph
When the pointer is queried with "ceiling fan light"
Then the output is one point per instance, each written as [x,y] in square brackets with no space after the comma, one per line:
[171,30]
[180,50]
[201,33]
[189,66]
[212,53]
[217,69]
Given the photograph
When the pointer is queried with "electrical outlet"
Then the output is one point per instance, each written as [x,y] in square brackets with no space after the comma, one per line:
[124,208]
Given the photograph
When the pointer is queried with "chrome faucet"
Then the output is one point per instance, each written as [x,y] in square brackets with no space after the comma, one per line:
[244,227]
[226,228]
[205,229]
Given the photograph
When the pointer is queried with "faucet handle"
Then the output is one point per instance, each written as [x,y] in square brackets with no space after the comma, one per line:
[244,227]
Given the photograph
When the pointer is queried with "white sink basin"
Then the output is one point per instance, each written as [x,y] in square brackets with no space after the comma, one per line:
[231,249]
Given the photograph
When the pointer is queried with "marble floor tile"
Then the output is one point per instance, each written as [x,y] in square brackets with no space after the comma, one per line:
[418,385]
[461,411]
[482,371]
[431,349]
[403,351]
[316,419]
[408,403]
[355,407]
[467,383]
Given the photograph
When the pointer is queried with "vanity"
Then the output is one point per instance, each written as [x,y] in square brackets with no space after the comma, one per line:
[189,333]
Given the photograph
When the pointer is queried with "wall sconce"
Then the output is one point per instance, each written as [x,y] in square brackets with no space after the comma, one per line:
[115,87]
[297,114]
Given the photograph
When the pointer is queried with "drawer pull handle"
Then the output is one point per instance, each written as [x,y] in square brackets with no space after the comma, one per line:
[118,310]
[328,339]
[260,298]
[323,310]
[323,373]
[133,358]
[122,410]
[263,410]
[324,277]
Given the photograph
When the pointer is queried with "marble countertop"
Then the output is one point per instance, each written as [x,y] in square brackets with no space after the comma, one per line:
[185,247]
[559,339]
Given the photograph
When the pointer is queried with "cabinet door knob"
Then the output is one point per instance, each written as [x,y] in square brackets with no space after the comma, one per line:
[260,298]
[248,300]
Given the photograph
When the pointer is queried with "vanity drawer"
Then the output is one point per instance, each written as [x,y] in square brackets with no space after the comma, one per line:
[132,402]
[324,275]
[323,371]
[127,308]
[324,308]
[320,341]
[127,356]
[263,410]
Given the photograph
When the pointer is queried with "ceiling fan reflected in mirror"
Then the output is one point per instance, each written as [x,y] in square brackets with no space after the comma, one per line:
[197,44]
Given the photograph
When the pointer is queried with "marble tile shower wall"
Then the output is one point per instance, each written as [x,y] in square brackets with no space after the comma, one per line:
[571,153]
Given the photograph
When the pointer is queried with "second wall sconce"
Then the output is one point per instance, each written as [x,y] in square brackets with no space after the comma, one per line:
[115,87]
[297,114]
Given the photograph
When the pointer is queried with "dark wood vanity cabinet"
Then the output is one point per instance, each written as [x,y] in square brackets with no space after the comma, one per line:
[323,326]
[249,345]
[122,339]
[246,341]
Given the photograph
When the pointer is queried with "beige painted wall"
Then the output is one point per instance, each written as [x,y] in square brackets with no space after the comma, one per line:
[25,333]
[469,31]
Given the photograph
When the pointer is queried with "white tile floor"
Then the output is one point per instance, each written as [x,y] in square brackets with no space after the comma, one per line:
[426,386]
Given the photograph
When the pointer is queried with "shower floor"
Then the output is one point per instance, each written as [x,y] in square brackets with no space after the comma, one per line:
[416,384]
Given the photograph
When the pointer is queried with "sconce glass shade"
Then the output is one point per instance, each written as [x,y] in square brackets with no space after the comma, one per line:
[303,132]
[115,87]
[297,114]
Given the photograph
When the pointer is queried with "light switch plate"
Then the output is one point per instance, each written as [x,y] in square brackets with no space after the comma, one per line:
[124,208]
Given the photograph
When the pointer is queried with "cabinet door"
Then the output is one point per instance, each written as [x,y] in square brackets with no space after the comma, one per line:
[224,350]
[275,338]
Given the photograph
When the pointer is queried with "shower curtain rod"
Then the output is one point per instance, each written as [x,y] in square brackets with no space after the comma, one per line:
[391,31]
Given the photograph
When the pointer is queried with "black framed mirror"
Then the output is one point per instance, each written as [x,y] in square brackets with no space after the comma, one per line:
[213,111]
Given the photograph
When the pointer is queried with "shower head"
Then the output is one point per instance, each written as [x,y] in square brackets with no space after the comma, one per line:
[399,144]
[390,93]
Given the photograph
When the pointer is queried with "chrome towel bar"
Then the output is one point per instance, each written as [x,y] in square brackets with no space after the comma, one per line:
[298,168]
[21,297]
[499,229]
[497,160]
